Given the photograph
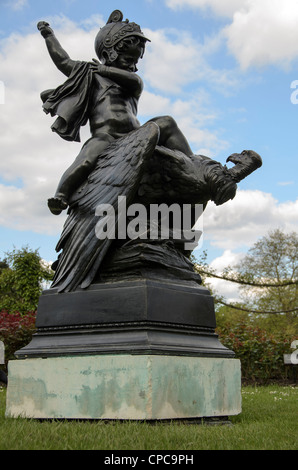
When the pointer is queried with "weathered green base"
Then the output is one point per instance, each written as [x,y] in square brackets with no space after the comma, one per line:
[135,387]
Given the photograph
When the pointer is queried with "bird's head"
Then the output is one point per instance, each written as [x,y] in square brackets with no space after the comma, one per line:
[246,156]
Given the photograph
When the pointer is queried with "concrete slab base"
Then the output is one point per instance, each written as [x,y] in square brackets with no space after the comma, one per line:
[124,387]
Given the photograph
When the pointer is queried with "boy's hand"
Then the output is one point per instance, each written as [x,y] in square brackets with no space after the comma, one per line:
[44,29]
[99,68]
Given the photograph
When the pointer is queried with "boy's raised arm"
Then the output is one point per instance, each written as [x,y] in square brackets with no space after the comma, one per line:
[59,56]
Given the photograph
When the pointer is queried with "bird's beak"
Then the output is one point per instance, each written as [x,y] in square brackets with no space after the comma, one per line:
[231,157]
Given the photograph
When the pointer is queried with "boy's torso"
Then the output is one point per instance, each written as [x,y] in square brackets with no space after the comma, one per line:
[112,110]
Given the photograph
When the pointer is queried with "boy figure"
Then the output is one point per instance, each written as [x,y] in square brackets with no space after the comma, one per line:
[106,93]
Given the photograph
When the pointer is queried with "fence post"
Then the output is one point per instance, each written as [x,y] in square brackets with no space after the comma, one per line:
[3,376]
[2,358]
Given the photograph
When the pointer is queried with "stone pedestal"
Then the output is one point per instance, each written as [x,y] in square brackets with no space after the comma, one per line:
[134,349]
[119,387]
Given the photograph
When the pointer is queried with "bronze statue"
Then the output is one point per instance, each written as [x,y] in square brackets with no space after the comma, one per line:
[106,94]
[149,164]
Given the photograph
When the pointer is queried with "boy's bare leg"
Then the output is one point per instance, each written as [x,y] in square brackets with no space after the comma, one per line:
[77,173]
[171,136]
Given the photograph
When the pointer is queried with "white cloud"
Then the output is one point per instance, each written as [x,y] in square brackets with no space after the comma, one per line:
[229,290]
[250,215]
[26,209]
[151,104]
[175,59]
[261,32]
[170,63]
[192,117]
[265,34]
[235,227]
[285,183]
[220,7]
[228,258]
[17,4]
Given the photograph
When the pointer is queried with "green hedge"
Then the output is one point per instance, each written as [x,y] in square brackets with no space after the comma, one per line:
[16,331]
[261,353]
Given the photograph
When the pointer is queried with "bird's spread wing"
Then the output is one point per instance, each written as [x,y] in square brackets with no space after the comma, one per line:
[117,173]
[175,177]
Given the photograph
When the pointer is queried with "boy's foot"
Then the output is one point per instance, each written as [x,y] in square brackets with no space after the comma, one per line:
[57,205]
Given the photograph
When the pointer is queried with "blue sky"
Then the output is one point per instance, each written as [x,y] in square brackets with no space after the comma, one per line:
[223,70]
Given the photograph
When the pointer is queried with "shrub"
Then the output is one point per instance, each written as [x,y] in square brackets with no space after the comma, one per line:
[22,275]
[16,331]
[261,353]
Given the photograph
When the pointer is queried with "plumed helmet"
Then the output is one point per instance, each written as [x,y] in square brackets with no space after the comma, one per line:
[112,33]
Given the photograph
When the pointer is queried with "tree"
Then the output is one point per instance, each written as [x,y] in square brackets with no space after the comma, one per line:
[268,276]
[3,265]
[21,276]
[274,258]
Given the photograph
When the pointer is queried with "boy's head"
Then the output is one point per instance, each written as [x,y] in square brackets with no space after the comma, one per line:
[128,51]
[120,44]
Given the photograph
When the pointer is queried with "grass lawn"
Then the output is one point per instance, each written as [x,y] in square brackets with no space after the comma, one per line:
[268,422]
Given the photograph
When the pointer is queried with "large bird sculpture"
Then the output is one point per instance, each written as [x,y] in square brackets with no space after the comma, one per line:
[137,168]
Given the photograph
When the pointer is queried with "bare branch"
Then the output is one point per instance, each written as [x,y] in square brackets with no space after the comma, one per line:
[254,311]
[241,280]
